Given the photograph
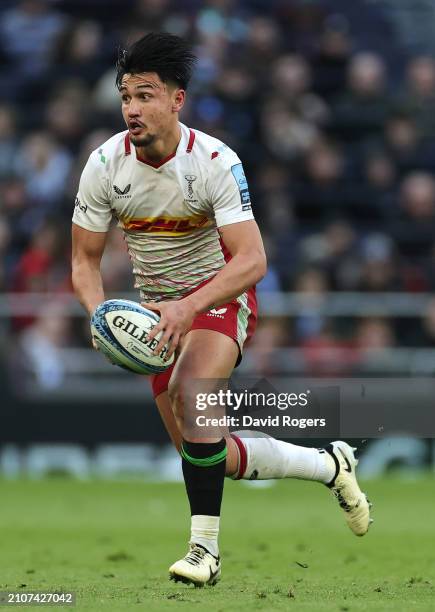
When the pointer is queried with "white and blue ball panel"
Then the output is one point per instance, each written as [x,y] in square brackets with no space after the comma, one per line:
[119,346]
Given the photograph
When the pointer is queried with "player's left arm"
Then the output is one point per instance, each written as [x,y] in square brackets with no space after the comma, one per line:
[246,267]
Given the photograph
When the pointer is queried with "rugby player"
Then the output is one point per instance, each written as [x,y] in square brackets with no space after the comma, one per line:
[182,200]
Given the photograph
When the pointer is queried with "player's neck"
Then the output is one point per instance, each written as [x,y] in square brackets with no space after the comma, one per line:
[163,147]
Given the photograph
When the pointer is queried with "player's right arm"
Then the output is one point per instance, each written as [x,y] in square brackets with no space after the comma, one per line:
[87,251]
[91,221]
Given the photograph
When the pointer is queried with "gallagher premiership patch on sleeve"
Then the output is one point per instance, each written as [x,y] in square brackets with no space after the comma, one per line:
[242,183]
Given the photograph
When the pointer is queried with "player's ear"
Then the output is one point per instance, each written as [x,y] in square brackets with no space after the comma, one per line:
[178,99]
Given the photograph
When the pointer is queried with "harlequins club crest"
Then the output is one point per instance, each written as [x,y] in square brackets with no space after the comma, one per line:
[190,178]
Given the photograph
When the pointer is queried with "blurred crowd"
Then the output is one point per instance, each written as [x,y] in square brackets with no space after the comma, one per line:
[330,111]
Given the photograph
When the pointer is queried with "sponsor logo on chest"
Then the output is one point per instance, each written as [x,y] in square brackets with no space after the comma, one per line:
[122,193]
[166,225]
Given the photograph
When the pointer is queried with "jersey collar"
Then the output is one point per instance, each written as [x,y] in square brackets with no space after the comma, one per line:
[184,146]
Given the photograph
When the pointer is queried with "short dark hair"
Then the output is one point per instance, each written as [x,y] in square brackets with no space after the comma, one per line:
[166,54]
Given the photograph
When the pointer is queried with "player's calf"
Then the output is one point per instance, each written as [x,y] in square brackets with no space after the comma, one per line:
[204,473]
[264,458]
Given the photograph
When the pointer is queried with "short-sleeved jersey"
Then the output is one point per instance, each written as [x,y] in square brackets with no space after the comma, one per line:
[169,211]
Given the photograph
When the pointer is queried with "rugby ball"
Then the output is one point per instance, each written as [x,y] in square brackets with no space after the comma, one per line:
[120,330]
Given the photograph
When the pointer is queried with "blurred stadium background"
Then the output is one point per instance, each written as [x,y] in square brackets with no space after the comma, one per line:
[330,105]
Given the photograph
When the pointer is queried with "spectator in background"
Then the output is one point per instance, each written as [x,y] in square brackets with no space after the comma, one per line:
[414,227]
[8,141]
[271,334]
[42,267]
[81,53]
[380,172]
[407,146]
[303,23]
[331,58]
[272,184]
[291,78]
[378,271]
[373,339]
[418,98]
[374,334]
[67,113]
[215,26]
[322,194]
[428,326]
[153,13]
[374,198]
[40,347]
[286,134]
[44,167]
[363,109]
[429,267]
[263,42]
[313,284]
[5,239]
[236,88]
[14,206]
[335,252]
[293,115]
[28,33]
[327,355]
[273,280]
[274,212]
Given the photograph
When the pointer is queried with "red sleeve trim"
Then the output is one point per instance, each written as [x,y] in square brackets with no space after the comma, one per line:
[191,141]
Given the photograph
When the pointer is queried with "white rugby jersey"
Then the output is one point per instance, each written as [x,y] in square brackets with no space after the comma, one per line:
[169,211]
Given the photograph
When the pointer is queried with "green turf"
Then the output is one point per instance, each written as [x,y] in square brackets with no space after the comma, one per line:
[283,548]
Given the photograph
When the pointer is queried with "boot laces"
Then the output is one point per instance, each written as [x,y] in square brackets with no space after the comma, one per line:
[341,501]
[195,555]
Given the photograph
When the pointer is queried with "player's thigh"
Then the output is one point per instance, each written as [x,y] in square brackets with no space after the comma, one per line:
[168,418]
[208,356]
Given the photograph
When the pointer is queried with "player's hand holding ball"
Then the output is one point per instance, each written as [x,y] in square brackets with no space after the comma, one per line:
[176,318]
[122,331]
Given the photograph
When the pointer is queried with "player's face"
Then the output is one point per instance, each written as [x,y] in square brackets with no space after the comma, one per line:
[149,107]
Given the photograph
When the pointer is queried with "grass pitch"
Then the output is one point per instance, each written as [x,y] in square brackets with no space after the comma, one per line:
[283,548]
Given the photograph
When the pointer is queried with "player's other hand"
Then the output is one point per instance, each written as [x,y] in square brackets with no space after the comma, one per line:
[176,319]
